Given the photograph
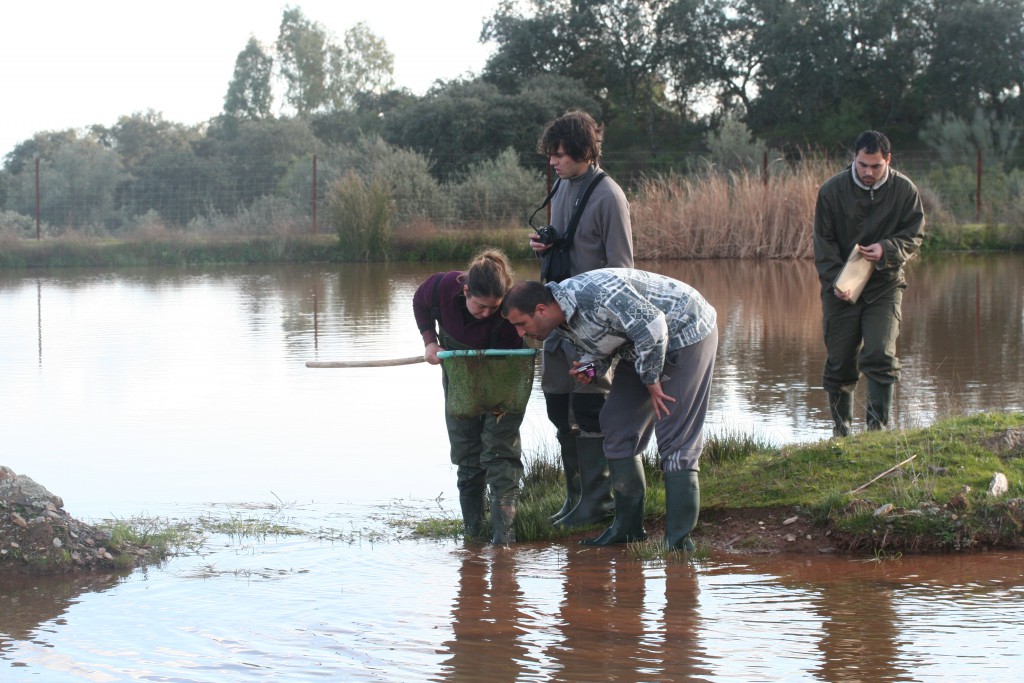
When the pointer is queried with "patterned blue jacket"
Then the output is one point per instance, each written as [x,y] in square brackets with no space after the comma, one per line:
[633,314]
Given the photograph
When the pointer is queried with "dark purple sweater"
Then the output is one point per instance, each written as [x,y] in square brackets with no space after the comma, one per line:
[455,317]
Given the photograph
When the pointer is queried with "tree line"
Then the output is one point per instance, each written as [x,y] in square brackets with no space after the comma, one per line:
[677,83]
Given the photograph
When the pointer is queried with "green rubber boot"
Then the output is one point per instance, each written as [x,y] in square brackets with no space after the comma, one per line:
[503,517]
[472,503]
[627,476]
[682,507]
[595,503]
[841,406]
[879,404]
[571,467]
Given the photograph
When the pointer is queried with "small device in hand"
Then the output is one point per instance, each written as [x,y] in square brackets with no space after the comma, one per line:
[546,234]
[586,369]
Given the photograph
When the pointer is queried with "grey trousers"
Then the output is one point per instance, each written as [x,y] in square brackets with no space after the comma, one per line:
[628,421]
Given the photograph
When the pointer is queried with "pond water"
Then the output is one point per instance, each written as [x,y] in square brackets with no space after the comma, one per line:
[182,393]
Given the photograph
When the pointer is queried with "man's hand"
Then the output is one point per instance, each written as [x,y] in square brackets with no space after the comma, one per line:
[872,252]
[582,372]
[658,399]
[841,295]
[538,246]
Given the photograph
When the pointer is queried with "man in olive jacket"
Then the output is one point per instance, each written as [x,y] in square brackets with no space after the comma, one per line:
[876,210]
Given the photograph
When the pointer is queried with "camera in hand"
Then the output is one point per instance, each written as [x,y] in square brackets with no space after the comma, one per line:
[546,234]
[587,369]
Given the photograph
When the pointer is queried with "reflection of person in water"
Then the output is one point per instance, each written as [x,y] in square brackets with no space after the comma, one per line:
[602,619]
[487,621]
[860,635]
[683,655]
[859,640]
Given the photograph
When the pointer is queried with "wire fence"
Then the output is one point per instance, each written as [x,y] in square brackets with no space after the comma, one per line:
[270,197]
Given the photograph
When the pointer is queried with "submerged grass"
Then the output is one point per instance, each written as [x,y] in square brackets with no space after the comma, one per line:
[938,501]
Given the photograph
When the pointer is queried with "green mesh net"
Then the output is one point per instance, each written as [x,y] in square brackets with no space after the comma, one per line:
[484,383]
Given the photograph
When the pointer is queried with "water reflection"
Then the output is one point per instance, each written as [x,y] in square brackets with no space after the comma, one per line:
[859,633]
[145,389]
[426,611]
[206,368]
[31,605]
[488,620]
[885,620]
[682,649]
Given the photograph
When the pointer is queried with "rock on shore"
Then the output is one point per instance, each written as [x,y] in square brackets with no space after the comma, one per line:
[38,537]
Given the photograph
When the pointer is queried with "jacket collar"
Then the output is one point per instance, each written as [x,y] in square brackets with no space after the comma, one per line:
[858,183]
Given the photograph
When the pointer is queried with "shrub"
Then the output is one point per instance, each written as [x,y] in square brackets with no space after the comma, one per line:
[14,224]
[732,147]
[498,191]
[362,214]
[404,173]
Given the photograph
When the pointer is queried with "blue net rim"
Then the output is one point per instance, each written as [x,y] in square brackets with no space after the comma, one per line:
[486,352]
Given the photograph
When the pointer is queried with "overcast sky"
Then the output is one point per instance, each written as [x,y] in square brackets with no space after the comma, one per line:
[72,64]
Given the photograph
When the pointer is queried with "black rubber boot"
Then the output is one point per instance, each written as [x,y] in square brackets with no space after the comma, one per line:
[682,507]
[595,502]
[472,504]
[879,404]
[841,406]
[503,517]
[571,467]
[628,482]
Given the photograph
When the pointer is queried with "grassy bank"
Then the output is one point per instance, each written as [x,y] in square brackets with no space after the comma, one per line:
[933,499]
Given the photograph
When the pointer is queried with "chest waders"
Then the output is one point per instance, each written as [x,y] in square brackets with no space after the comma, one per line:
[486,450]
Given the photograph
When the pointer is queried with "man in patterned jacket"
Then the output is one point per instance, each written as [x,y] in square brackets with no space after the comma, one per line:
[664,335]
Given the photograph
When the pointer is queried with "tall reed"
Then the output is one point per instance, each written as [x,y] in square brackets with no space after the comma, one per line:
[738,214]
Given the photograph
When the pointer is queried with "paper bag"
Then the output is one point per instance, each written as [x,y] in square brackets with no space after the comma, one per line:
[855,275]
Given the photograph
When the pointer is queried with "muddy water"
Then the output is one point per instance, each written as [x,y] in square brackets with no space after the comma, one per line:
[415,611]
[184,393]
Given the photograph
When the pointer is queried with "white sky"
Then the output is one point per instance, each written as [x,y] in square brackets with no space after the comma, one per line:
[67,64]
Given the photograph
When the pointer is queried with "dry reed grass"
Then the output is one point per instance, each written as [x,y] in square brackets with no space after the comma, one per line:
[728,215]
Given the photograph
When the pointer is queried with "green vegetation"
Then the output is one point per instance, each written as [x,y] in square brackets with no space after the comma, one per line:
[938,501]
[715,214]
[161,537]
[362,215]
[685,90]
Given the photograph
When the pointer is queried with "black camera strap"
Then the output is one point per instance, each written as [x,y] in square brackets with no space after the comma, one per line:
[581,202]
[547,200]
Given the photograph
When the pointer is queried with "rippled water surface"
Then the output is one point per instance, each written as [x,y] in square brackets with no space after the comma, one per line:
[182,393]
[419,611]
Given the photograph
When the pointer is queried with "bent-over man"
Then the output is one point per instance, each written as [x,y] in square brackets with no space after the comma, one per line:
[663,335]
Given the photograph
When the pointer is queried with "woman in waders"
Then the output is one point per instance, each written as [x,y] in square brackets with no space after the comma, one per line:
[461,310]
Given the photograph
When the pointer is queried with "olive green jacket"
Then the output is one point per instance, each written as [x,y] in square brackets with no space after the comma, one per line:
[847,215]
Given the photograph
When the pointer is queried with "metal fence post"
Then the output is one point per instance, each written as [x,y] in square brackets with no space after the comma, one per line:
[977,196]
[314,195]
[37,200]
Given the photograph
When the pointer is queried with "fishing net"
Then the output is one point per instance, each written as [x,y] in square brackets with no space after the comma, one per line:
[484,383]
